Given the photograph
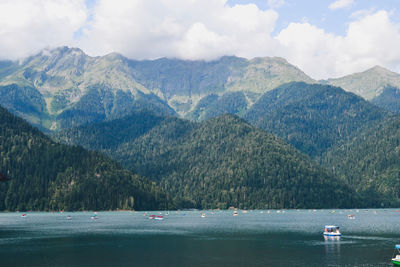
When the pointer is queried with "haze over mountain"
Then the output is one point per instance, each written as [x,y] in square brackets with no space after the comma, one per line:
[63,87]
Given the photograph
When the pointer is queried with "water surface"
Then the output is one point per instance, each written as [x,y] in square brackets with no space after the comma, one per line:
[184,238]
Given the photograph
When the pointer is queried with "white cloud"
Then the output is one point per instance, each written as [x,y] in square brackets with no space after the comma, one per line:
[359,14]
[341,4]
[28,26]
[197,29]
[371,40]
[189,29]
[276,3]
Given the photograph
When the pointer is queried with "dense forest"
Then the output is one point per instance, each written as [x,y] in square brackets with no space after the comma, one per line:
[101,103]
[48,176]
[219,163]
[313,117]
[109,134]
[370,163]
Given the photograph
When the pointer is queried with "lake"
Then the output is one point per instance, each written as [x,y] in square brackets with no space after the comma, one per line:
[184,238]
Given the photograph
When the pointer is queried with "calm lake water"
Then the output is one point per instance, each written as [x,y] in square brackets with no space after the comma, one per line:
[184,238]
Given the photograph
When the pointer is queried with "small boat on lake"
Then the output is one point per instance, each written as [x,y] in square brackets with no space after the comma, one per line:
[24,215]
[351,217]
[203,215]
[332,230]
[94,217]
[154,217]
[396,260]
[69,217]
[235,213]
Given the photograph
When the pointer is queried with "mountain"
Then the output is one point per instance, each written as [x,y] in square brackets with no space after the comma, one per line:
[368,84]
[73,88]
[63,87]
[389,99]
[370,162]
[218,163]
[185,83]
[312,117]
[45,175]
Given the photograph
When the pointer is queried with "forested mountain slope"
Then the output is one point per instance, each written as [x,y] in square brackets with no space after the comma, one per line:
[45,175]
[313,117]
[370,162]
[389,99]
[219,163]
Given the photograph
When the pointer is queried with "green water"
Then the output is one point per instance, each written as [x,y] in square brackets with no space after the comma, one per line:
[255,238]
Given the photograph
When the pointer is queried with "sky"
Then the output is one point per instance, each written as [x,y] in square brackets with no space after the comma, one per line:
[324,38]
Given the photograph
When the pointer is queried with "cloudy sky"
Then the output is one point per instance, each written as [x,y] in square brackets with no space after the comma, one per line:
[325,38]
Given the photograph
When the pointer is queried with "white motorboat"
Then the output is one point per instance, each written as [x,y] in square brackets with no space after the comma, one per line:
[332,230]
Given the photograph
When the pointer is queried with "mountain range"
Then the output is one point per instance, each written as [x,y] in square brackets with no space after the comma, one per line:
[316,119]
[160,129]
[63,87]
[218,163]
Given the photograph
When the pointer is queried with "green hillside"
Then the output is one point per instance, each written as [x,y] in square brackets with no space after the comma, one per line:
[213,106]
[312,117]
[219,163]
[389,99]
[108,135]
[48,176]
[100,104]
[26,102]
[370,162]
